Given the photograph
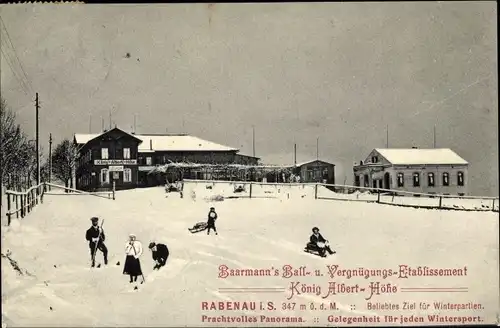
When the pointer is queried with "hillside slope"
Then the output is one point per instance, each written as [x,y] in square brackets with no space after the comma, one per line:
[253,233]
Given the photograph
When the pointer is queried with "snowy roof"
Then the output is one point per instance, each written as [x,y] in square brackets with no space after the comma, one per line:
[415,156]
[246,155]
[166,142]
[179,143]
[84,138]
[312,161]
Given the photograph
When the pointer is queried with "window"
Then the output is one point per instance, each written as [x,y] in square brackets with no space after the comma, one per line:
[357,181]
[104,176]
[90,155]
[126,153]
[127,175]
[430,179]
[149,161]
[460,178]
[401,180]
[366,183]
[118,153]
[416,179]
[374,159]
[446,179]
[104,153]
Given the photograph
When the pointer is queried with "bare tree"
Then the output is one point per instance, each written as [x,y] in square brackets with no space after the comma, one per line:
[64,159]
[16,153]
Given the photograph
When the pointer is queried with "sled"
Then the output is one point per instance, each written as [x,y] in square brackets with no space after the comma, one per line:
[315,251]
[200,226]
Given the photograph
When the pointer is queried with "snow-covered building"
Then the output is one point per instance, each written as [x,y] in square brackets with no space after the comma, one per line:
[433,171]
[127,158]
[316,171]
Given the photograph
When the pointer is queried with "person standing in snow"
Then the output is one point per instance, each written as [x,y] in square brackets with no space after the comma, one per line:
[160,254]
[212,216]
[95,236]
[133,250]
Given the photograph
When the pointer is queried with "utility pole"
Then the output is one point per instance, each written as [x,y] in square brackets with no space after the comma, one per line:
[387,137]
[110,119]
[253,140]
[90,123]
[434,136]
[50,158]
[317,148]
[37,143]
[295,154]
[134,125]
[102,122]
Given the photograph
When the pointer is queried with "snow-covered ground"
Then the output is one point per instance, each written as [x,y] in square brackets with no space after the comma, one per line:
[258,233]
[287,191]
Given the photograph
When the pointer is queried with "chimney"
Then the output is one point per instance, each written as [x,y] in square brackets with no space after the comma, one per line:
[150,144]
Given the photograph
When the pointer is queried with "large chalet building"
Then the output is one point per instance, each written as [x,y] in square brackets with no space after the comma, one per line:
[125,159]
[431,171]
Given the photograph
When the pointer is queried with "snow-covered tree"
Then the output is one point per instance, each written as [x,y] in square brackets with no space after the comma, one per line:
[64,160]
[17,154]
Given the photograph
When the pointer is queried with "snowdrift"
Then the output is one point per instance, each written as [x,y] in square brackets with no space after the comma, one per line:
[62,290]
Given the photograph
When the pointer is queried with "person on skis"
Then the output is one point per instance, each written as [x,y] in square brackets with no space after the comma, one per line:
[160,254]
[95,236]
[133,250]
[212,216]
[316,241]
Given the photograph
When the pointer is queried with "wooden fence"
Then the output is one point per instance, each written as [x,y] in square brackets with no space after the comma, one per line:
[23,201]
[346,193]
[20,204]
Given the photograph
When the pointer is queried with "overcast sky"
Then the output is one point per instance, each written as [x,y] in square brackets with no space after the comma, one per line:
[340,72]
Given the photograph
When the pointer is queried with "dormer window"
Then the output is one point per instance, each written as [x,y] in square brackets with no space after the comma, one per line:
[374,159]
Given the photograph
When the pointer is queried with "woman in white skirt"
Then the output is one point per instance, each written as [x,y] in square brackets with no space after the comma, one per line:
[133,250]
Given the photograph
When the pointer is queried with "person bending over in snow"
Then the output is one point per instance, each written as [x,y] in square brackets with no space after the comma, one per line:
[95,236]
[160,254]
[133,250]
[316,240]
[212,216]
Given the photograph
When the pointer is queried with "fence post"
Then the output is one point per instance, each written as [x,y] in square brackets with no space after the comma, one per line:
[251,189]
[440,201]
[8,208]
[378,195]
[493,208]
[17,206]
[36,194]
[22,205]
[113,190]
[28,201]
[316,191]
[42,192]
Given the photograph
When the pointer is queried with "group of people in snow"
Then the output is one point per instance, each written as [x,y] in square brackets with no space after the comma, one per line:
[133,248]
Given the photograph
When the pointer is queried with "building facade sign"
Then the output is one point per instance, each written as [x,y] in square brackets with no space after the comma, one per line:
[116,168]
[115,162]
[146,168]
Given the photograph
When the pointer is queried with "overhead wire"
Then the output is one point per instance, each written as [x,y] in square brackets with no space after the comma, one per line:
[17,57]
